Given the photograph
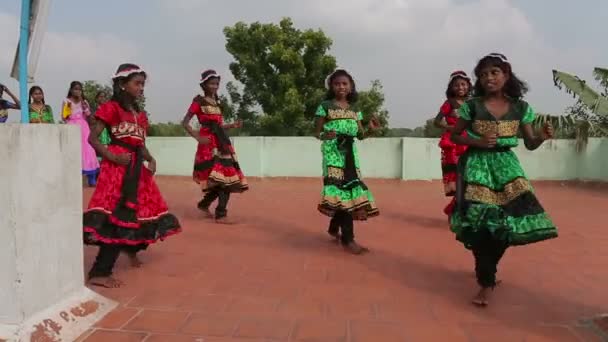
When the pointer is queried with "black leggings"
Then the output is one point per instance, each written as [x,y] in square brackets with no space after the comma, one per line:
[107,256]
[342,222]
[488,252]
[223,197]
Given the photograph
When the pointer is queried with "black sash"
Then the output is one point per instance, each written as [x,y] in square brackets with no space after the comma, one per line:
[222,138]
[345,144]
[125,210]
[223,147]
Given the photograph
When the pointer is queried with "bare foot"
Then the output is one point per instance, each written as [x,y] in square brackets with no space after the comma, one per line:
[107,282]
[225,220]
[481,299]
[135,260]
[355,248]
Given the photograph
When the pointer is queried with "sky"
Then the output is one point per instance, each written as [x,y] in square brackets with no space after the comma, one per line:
[411,46]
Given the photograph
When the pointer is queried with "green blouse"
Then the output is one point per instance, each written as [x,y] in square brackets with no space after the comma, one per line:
[44,115]
[480,121]
[342,121]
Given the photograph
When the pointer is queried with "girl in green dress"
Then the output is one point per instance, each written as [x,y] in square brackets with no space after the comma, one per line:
[40,112]
[344,197]
[100,98]
[495,203]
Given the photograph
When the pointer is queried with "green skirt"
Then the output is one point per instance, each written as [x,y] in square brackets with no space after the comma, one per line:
[494,194]
[343,188]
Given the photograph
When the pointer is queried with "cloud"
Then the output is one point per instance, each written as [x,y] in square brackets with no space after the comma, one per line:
[66,56]
[410,45]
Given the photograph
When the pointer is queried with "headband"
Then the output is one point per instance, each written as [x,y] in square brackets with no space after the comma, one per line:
[207,74]
[328,78]
[459,74]
[128,72]
[500,56]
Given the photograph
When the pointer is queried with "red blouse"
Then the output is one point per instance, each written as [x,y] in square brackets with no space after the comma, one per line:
[447,109]
[206,111]
[124,125]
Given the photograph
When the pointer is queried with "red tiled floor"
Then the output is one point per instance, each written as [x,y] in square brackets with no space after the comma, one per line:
[117,318]
[157,321]
[551,334]
[175,338]
[210,325]
[269,328]
[364,331]
[277,276]
[320,330]
[115,336]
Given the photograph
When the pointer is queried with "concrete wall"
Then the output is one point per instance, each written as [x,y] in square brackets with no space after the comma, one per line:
[41,223]
[401,158]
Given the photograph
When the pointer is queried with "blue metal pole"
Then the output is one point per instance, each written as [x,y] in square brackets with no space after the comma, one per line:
[23,50]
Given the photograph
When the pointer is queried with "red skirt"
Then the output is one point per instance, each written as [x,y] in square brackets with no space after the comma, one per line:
[217,168]
[450,152]
[151,221]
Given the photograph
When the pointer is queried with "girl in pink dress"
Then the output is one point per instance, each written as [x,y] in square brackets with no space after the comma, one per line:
[76,111]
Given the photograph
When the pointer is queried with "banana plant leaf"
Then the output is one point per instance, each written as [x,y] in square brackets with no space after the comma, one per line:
[601,75]
[582,129]
[597,103]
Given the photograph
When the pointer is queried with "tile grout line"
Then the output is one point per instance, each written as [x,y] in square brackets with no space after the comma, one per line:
[186,321]
[85,336]
[139,311]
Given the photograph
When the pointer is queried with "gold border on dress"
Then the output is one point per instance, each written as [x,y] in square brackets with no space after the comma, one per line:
[335,114]
[338,173]
[512,190]
[209,109]
[502,128]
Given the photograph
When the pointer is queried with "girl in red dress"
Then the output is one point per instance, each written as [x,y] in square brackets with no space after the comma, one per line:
[216,168]
[126,211]
[459,88]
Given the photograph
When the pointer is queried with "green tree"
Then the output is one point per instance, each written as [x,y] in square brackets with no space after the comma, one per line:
[168,129]
[400,132]
[371,103]
[237,106]
[90,90]
[282,70]
[430,131]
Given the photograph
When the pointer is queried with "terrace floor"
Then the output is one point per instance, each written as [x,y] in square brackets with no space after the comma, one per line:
[276,276]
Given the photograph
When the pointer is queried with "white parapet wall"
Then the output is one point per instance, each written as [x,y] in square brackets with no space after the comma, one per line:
[42,289]
[393,158]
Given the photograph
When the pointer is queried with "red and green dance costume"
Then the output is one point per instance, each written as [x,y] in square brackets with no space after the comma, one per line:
[344,196]
[126,212]
[450,152]
[216,168]
[495,203]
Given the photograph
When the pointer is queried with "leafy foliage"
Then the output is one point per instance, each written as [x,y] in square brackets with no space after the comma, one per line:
[282,70]
[588,117]
[90,90]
